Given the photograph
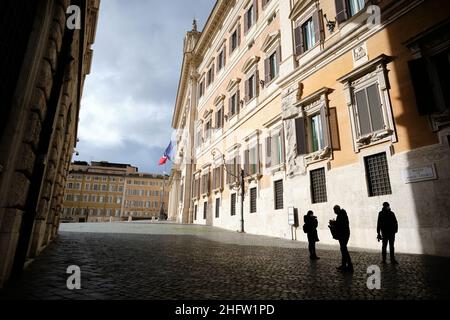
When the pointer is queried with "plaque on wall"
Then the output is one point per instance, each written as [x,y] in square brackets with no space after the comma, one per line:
[422,173]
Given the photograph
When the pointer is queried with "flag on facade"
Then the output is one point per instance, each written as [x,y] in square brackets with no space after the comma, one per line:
[166,155]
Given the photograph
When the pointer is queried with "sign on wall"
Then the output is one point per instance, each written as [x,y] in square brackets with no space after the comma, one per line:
[422,173]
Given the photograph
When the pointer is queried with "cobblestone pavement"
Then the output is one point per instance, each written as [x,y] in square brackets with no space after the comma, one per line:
[170,261]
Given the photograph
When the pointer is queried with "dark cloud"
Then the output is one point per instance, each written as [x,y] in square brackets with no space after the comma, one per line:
[129,95]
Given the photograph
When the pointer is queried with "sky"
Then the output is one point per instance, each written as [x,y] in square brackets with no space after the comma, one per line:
[129,96]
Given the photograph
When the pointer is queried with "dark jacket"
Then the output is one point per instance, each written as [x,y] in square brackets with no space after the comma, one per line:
[311,228]
[342,225]
[387,222]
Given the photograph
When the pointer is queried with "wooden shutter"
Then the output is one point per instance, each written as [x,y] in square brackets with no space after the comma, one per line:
[229,107]
[278,192]
[247,90]
[212,74]
[221,177]
[255,10]
[267,70]
[256,82]
[268,152]
[224,56]
[238,101]
[298,40]
[325,126]
[300,134]
[318,26]
[334,130]
[341,10]
[422,85]
[283,151]
[245,22]
[278,55]
[239,35]
[247,163]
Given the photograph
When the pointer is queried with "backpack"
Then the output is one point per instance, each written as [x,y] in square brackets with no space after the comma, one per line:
[305,228]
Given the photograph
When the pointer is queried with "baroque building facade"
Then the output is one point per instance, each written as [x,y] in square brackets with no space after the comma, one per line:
[44,65]
[108,192]
[320,103]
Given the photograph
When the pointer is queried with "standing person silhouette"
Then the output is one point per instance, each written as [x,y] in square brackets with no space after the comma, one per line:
[310,228]
[343,232]
[387,227]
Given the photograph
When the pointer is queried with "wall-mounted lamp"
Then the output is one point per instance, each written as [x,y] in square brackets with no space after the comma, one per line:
[330,24]
[262,83]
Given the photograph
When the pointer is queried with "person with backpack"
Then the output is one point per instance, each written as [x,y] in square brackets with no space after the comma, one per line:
[387,227]
[342,231]
[310,228]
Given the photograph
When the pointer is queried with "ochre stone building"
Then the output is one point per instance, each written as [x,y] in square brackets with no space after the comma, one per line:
[43,68]
[320,103]
[107,192]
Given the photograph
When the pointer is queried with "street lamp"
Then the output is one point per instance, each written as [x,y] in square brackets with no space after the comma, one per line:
[241,185]
[162,213]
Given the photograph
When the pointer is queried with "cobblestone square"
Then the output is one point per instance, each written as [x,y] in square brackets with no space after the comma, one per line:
[171,262]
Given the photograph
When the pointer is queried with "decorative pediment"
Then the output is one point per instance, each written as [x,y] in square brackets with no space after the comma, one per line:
[250,63]
[207,113]
[270,40]
[233,83]
[219,99]
[299,7]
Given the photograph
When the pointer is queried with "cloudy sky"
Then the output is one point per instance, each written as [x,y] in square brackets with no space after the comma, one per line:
[128,100]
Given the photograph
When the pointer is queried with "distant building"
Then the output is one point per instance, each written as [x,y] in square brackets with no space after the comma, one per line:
[320,103]
[106,192]
[43,69]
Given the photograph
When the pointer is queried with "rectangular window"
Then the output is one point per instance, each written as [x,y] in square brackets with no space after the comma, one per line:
[377,174]
[252,200]
[210,76]
[205,209]
[208,128]
[234,105]
[251,87]
[233,204]
[318,186]
[273,63]
[217,207]
[309,39]
[195,212]
[369,110]
[249,18]
[235,39]
[221,60]
[201,88]
[278,194]
[316,132]
[219,118]
[355,6]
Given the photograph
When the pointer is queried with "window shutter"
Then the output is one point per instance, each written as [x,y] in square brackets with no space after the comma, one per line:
[208,182]
[325,126]
[247,89]
[256,10]
[245,23]
[422,85]
[228,169]
[341,10]
[224,55]
[229,107]
[267,70]
[318,26]
[239,35]
[268,152]
[278,54]
[256,82]
[218,63]
[298,40]
[300,134]
[212,74]
[282,145]
[247,163]
[362,110]
[238,101]
[238,169]
[221,177]
[375,107]
[334,130]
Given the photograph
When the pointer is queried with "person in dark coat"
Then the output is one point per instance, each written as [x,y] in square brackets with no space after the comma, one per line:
[387,227]
[310,228]
[343,234]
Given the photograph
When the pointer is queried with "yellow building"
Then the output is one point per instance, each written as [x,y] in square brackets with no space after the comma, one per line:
[319,103]
[106,192]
